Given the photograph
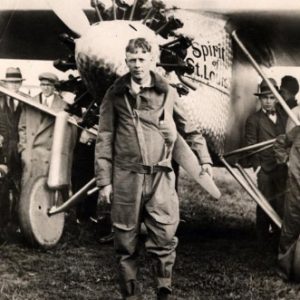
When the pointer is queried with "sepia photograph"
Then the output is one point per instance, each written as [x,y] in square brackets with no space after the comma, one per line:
[148,150]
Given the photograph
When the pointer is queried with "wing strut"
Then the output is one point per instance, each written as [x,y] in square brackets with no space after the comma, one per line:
[28,100]
[266,144]
[233,32]
[245,180]
[247,183]
[77,197]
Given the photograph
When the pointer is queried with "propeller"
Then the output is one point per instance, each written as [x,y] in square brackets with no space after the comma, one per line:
[71,14]
[186,158]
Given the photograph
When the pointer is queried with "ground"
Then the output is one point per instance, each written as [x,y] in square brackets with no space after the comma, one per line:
[217,258]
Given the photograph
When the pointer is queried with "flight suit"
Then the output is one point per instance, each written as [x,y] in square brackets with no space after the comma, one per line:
[133,152]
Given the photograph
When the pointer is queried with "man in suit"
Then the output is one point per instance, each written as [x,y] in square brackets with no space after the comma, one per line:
[266,124]
[10,111]
[36,129]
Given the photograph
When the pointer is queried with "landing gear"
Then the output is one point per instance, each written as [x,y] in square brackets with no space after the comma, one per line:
[39,228]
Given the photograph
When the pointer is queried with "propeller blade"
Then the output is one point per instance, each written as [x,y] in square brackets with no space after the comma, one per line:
[71,14]
[186,158]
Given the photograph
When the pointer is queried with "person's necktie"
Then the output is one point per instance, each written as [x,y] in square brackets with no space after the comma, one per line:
[271,113]
[46,101]
[11,104]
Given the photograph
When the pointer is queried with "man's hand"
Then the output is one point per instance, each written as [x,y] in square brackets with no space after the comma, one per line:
[105,194]
[3,170]
[207,168]
[75,119]
[1,141]
[86,138]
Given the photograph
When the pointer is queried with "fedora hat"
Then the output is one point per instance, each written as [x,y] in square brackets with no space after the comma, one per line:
[13,74]
[264,88]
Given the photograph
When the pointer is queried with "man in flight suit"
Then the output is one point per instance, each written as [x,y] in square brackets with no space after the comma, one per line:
[133,156]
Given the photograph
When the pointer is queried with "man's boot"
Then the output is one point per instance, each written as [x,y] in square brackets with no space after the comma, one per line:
[163,294]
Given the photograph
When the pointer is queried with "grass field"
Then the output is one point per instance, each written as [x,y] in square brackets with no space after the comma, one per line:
[217,258]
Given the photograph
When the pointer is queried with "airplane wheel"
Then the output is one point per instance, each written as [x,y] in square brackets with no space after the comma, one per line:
[39,228]
[296,262]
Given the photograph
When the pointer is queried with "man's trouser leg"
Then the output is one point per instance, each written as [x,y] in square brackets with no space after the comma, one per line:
[126,248]
[126,207]
[161,220]
[16,191]
[262,220]
[279,179]
[279,182]
[4,203]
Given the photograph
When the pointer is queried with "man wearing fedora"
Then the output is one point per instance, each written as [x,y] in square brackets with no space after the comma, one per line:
[10,111]
[265,124]
[36,129]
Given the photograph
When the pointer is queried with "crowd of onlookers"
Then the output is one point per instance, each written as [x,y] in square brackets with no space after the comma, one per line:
[26,136]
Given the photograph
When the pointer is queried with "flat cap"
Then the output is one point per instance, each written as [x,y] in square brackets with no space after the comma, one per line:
[48,76]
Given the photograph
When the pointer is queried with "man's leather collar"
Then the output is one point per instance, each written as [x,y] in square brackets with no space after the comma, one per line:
[158,83]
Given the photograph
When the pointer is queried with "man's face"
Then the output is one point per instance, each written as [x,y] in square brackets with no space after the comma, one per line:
[268,102]
[13,85]
[139,64]
[285,93]
[47,87]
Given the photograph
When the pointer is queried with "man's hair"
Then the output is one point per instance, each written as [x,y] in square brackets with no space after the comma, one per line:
[290,83]
[138,43]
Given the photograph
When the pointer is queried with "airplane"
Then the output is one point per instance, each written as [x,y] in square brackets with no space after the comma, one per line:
[212,56]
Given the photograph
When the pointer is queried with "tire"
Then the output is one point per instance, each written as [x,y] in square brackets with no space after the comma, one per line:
[40,229]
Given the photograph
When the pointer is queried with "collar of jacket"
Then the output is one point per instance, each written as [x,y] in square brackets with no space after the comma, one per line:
[158,83]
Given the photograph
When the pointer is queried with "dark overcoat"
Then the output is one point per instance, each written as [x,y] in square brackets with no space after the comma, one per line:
[260,128]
